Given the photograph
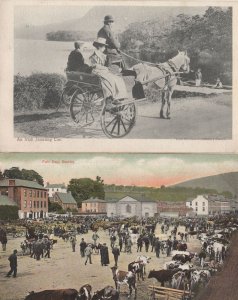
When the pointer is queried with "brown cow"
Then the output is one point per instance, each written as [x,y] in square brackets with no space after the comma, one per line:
[123,277]
[62,294]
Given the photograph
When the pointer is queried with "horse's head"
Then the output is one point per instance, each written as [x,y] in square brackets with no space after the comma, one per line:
[185,61]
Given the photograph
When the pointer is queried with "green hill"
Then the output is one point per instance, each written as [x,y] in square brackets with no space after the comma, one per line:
[221,183]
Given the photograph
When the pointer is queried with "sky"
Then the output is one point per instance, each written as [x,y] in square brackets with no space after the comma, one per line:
[125,169]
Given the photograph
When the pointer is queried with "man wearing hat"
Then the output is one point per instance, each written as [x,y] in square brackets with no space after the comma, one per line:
[113,45]
[13,264]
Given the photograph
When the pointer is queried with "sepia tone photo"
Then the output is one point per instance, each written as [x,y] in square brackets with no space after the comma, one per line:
[123,71]
[118,226]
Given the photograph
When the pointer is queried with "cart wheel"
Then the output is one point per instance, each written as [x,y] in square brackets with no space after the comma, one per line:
[118,120]
[83,105]
[66,97]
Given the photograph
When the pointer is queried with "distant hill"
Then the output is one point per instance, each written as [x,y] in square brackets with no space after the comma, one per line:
[221,183]
[93,20]
[226,184]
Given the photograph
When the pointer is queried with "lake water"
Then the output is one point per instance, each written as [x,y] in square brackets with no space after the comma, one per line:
[42,56]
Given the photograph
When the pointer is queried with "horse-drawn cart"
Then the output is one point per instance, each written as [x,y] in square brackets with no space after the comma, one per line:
[83,93]
[163,293]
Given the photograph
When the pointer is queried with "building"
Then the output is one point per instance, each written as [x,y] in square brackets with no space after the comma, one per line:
[94,205]
[212,205]
[65,200]
[172,209]
[53,188]
[130,207]
[4,200]
[30,197]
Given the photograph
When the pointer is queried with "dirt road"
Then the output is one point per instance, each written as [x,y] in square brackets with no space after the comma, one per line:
[191,118]
[66,268]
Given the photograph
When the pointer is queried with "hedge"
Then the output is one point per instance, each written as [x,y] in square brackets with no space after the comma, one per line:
[37,91]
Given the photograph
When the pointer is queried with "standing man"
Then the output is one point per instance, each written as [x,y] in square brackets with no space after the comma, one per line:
[157,247]
[198,77]
[13,264]
[95,237]
[116,254]
[104,255]
[73,242]
[88,252]
[82,246]
[105,32]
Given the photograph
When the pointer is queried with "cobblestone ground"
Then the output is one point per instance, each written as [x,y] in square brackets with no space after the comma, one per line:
[66,269]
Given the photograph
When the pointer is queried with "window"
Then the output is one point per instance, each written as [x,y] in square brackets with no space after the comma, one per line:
[203,203]
[196,203]
[34,193]
[30,193]
[38,194]
[37,202]
[41,194]
[25,203]
[44,204]
[203,209]
[191,203]
[196,209]
[44,194]
[128,208]
[25,193]
[30,204]
[34,204]
[41,204]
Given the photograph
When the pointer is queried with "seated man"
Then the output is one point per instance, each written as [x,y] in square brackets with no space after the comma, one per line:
[76,61]
[113,85]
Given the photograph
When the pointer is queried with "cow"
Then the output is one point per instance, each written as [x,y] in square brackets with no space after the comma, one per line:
[62,294]
[123,277]
[183,258]
[162,275]
[144,260]
[107,293]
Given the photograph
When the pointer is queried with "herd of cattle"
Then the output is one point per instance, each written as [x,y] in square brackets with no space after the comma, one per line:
[187,271]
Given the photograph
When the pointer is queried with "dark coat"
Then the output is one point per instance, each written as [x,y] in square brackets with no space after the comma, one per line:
[13,260]
[115,252]
[104,255]
[75,61]
[106,33]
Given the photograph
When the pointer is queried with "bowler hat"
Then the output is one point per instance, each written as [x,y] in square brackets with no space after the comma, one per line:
[108,18]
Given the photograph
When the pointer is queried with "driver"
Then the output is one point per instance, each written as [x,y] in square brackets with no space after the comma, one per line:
[112,50]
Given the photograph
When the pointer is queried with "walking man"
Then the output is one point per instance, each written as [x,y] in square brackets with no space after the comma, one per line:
[13,264]
[73,242]
[116,254]
[88,252]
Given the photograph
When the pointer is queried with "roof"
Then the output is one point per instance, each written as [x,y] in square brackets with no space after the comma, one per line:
[4,200]
[66,198]
[94,200]
[22,183]
[137,198]
[56,185]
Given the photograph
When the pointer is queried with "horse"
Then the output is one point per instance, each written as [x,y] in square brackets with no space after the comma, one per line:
[164,76]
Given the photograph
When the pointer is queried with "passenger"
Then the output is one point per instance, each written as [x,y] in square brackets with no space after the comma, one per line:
[76,61]
[113,85]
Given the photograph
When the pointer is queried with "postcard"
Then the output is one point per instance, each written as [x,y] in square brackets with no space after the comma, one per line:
[119,76]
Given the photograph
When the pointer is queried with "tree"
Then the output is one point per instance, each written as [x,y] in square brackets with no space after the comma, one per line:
[1,175]
[84,188]
[16,173]
[54,207]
